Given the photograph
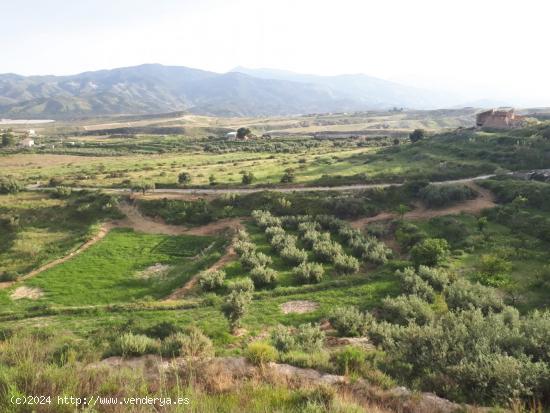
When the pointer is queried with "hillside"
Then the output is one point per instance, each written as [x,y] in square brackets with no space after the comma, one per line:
[154,88]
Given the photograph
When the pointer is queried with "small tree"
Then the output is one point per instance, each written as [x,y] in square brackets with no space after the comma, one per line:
[417,135]
[243,133]
[288,176]
[248,178]
[212,180]
[235,307]
[184,178]
[143,187]
[401,211]
[482,224]
[8,139]
[430,251]
[211,280]
[9,186]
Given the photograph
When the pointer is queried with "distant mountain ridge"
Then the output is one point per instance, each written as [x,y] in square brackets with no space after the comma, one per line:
[154,88]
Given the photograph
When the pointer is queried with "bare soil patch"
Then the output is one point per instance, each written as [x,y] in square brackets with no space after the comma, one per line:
[154,271]
[31,293]
[299,307]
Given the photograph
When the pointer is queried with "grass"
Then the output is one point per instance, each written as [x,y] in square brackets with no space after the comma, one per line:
[48,228]
[108,272]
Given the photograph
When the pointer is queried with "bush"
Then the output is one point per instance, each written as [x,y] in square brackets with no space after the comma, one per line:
[463,294]
[264,277]
[264,219]
[438,278]
[413,284]
[241,285]
[9,186]
[346,264]
[430,251]
[326,251]
[319,360]
[293,255]
[349,321]
[260,354]
[407,308]
[270,232]
[8,276]
[252,260]
[184,178]
[442,195]
[244,247]
[248,178]
[282,241]
[131,345]
[283,339]
[192,344]
[309,272]
[163,330]
[417,135]
[350,360]
[211,280]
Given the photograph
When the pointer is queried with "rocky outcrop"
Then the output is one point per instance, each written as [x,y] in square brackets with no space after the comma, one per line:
[225,373]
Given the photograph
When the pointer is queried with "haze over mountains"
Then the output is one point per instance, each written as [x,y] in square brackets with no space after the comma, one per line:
[154,88]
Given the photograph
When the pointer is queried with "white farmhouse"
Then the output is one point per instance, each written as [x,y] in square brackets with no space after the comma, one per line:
[26,143]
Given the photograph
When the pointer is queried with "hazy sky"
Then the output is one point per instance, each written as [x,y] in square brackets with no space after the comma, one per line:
[480,48]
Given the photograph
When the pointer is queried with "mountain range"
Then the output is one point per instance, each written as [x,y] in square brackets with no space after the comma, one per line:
[154,88]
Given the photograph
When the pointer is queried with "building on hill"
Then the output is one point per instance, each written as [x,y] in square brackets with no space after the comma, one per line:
[502,118]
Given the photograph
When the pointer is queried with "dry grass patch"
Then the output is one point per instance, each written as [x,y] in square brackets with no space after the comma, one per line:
[31,293]
[299,307]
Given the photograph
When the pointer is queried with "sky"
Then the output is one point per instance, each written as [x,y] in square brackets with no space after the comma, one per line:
[478,49]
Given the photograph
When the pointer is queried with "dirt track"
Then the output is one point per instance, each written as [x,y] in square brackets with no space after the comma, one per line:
[484,200]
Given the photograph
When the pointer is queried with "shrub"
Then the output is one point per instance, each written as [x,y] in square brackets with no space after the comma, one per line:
[288,176]
[304,227]
[326,251]
[61,192]
[309,337]
[260,354]
[350,360]
[417,135]
[235,307]
[492,265]
[346,264]
[244,247]
[293,255]
[252,260]
[349,321]
[309,272]
[438,278]
[247,178]
[184,178]
[241,285]
[192,343]
[282,241]
[264,219]
[407,308]
[129,345]
[463,294]
[413,284]
[9,186]
[430,251]
[441,195]
[263,277]
[8,276]
[211,280]
[283,339]
[163,330]
[270,232]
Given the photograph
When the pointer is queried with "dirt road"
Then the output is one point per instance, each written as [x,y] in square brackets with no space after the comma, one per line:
[484,200]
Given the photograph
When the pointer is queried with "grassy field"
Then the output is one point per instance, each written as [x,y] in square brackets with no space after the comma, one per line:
[116,269]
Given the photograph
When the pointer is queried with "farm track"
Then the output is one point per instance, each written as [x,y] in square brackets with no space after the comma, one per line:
[484,200]
[173,192]
[136,221]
